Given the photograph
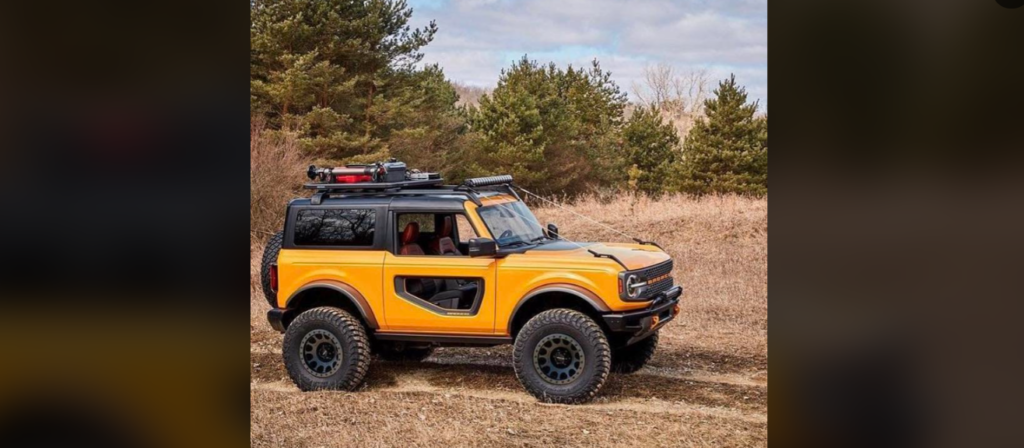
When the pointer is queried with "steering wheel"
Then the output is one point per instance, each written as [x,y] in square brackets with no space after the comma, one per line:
[505,234]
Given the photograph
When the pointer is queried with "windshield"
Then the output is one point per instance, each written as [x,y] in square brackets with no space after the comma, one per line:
[511,224]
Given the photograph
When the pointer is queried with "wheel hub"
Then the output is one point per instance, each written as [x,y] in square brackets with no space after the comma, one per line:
[320,352]
[561,357]
[325,352]
[558,359]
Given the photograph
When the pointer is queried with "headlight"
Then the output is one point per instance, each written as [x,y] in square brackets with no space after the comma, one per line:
[633,286]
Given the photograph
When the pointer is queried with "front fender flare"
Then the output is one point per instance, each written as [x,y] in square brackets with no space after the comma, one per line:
[585,294]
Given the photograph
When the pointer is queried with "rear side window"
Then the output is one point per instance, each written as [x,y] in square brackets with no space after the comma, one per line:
[335,227]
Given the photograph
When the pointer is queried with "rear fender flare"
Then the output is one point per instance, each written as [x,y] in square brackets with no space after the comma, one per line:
[346,290]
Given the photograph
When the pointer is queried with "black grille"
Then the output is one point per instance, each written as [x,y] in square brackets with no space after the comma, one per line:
[656,270]
[660,286]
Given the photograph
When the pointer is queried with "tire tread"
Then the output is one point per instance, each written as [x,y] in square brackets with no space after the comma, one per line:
[353,334]
[584,324]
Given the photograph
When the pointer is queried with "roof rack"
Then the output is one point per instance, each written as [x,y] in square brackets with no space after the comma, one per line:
[468,188]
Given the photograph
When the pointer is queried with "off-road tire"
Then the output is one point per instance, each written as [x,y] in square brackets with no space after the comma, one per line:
[388,351]
[354,346]
[597,356]
[269,258]
[634,357]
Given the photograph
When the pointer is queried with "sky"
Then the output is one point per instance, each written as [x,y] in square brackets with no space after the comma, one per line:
[477,38]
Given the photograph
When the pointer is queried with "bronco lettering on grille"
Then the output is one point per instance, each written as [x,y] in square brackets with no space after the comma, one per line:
[658,278]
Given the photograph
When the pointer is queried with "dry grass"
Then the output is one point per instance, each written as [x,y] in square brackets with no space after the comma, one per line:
[274,163]
[706,386]
[720,248]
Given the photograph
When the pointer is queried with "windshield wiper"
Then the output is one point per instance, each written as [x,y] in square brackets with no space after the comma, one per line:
[523,242]
[538,239]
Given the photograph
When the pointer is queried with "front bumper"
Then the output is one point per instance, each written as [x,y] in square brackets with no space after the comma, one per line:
[645,322]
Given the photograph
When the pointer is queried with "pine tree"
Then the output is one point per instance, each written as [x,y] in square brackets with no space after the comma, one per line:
[651,143]
[333,71]
[728,150]
[554,130]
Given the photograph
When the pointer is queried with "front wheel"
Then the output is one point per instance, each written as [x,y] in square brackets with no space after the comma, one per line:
[326,348]
[562,356]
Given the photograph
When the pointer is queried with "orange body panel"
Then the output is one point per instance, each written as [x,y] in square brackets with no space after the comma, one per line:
[507,280]
[360,269]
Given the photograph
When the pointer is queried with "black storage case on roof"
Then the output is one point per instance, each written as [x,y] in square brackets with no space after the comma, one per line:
[395,171]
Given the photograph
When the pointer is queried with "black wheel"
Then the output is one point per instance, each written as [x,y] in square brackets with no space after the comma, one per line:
[326,348]
[269,258]
[392,351]
[562,356]
[634,357]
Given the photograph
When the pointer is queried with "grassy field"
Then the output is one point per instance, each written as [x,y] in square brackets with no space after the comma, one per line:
[706,386]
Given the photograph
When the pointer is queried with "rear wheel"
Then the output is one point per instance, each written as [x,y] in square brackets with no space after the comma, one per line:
[326,348]
[634,357]
[562,356]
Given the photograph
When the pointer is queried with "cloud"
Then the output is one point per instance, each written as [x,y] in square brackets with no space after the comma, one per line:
[477,38]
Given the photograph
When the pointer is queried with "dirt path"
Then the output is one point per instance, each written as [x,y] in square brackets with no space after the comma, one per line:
[469,389]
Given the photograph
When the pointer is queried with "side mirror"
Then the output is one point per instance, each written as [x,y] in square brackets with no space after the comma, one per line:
[553,232]
[482,247]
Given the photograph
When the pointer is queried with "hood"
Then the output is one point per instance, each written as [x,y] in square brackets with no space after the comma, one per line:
[635,256]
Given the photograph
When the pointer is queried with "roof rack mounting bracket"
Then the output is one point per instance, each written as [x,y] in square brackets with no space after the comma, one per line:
[470,193]
[513,191]
[318,197]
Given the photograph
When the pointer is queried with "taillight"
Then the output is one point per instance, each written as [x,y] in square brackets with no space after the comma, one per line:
[273,277]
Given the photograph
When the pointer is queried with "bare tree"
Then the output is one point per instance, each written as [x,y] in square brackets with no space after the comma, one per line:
[679,96]
[469,94]
[656,89]
[692,90]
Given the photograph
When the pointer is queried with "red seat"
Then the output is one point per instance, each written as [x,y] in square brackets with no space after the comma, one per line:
[443,244]
[409,236]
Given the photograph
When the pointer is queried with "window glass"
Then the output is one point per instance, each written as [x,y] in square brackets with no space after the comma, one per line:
[334,227]
[426,221]
[511,224]
[466,231]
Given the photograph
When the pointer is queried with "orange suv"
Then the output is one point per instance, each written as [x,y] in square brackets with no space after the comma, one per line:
[397,267]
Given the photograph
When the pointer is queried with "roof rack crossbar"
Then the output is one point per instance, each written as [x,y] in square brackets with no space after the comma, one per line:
[374,185]
[319,196]
[433,187]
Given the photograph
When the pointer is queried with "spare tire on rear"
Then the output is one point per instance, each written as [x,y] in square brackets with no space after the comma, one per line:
[269,258]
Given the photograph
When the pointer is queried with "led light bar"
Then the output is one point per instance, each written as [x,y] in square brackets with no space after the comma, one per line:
[488,181]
